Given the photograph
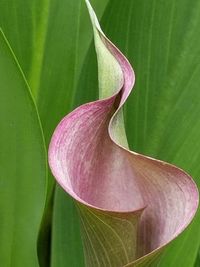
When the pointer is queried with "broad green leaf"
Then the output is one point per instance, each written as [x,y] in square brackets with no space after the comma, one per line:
[50,40]
[197,263]
[162,42]
[22,165]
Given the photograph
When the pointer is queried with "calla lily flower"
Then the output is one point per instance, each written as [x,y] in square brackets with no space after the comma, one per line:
[131,206]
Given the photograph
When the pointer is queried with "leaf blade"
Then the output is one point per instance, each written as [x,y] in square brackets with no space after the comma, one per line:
[21,146]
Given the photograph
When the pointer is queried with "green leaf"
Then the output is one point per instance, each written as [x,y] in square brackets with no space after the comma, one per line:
[23,165]
[162,42]
[66,246]
[50,40]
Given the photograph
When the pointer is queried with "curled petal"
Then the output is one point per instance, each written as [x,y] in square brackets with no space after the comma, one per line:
[131,206]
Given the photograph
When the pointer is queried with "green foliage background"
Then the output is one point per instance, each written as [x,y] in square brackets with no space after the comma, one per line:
[52,41]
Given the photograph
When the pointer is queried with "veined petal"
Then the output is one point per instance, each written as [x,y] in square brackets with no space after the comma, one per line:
[131,206]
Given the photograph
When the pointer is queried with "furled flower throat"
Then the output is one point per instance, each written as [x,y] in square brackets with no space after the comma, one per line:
[131,206]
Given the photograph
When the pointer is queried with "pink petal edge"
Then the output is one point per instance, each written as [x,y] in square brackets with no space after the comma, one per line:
[101,174]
